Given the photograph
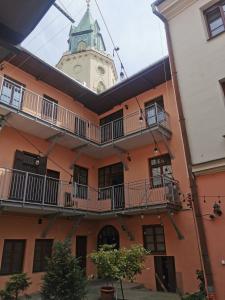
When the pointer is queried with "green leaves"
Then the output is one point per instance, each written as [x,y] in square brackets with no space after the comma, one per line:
[17,284]
[113,264]
[64,279]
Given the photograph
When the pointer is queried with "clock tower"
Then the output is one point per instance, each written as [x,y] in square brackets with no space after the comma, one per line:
[87,60]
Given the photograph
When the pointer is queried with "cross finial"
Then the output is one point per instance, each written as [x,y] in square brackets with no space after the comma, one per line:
[88,3]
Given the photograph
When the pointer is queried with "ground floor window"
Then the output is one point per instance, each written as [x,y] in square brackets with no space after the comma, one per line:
[154,239]
[109,235]
[12,257]
[42,251]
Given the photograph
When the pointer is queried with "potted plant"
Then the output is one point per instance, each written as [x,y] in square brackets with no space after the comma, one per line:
[116,265]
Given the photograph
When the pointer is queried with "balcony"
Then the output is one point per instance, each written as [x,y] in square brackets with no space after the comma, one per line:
[27,192]
[34,114]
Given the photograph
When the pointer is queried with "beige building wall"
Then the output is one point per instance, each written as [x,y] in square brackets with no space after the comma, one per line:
[200,64]
[93,69]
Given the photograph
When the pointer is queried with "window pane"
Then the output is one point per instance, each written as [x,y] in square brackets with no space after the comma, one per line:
[215,22]
[161,247]
[42,251]
[159,230]
[12,257]
[150,247]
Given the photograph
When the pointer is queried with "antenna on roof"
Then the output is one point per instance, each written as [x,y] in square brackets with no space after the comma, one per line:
[64,13]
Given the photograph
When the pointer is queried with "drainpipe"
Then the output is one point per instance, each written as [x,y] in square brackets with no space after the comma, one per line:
[192,181]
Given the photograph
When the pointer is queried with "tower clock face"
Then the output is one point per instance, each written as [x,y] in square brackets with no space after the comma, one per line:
[77,69]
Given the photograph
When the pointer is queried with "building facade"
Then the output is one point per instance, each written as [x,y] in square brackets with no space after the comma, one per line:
[87,60]
[93,169]
[196,39]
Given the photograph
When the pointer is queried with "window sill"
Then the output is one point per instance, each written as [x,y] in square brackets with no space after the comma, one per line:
[215,36]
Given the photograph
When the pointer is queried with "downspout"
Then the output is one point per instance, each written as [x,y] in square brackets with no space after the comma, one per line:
[192,181]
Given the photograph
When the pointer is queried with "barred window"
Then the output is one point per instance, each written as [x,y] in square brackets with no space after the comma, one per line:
[42,251]
[12,257]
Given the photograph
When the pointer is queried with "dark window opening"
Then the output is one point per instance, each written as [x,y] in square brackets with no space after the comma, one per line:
[80,177]
[215,19]
[42,251]
[12,257]
[49,108]
[108,235]
[154,111]
[160,170]
[154,239]
[12,92]
[112,126]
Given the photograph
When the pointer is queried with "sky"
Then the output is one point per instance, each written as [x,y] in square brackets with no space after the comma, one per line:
[135,30]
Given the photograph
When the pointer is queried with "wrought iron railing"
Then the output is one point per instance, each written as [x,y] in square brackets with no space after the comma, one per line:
[28,188]
[18,97]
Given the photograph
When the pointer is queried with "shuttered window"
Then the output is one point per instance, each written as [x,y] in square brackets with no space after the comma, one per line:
[154,239]
[13,256]
[42,251]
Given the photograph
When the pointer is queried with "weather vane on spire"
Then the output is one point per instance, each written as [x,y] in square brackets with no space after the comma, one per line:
[88,3]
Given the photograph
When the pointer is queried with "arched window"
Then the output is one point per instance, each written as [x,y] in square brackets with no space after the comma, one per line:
[108,235]
[101,87]
[82,46]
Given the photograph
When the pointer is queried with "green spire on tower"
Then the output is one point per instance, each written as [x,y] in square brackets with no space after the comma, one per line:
[86,35]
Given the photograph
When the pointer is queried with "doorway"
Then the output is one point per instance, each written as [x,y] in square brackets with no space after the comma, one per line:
[112,126]
[108,235]
[111,185]
[81,252]
[165,273]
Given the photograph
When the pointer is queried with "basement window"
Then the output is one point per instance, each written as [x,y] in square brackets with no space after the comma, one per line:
[215,19]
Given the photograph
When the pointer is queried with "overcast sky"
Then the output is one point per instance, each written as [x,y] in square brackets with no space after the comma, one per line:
[135,29]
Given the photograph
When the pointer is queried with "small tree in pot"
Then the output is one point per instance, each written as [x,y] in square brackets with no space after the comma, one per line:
[116,265]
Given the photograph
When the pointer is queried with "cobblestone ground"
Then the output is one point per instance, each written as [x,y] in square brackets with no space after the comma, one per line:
[131,291]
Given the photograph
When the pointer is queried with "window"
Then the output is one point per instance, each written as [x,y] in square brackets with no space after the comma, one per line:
[12,92]
[43,250]
[49,108]
[12,257]
[154,239]
[215,19]
[101,87]
[154,110]
[160,170]
[82,46]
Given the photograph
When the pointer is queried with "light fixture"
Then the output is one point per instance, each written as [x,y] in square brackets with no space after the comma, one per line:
[217,210]
[156,150]
[37,162]
[128,157]
[71,176]
[115,50]
[40,221]
[122,72]
[142,216]
[126,106]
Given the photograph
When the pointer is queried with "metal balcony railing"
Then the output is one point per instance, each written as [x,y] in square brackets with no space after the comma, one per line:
[18,97]
[28,188]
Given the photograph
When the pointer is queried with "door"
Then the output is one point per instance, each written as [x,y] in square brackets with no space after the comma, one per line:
[12,92]
[111,184]
[154,111]
[80,127]
[49,110]
[112,126]
[32,182]
[52,187]
[165,273]
[81,252]
[80,177]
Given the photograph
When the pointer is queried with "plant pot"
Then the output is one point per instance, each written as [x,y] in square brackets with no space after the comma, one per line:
[107,293]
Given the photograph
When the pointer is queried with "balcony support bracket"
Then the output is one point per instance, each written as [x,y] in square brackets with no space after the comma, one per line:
[124,227]
[53,140]
[122,154]
[76,222]
[51,221]
[167,145]
[78,151]
[172,221]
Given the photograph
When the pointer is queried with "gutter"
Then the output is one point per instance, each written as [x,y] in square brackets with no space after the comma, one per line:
[201,236]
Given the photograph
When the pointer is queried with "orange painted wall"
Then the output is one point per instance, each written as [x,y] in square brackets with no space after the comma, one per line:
[185,251]
[212,185]
[27,227]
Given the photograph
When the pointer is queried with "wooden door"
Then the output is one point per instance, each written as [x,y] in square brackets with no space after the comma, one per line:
[81,252]
[165,273]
